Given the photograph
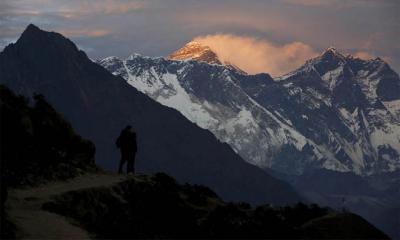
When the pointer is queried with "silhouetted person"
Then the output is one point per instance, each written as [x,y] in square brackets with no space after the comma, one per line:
[126,142]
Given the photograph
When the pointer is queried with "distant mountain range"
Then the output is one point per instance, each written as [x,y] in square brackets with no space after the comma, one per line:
[99,104]
[335,112]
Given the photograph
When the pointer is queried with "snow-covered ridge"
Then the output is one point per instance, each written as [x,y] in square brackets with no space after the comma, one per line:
[329,113]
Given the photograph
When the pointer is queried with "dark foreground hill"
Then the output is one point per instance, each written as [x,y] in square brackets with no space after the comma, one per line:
[154,206]
[157,207]
[38,144]
[99,105]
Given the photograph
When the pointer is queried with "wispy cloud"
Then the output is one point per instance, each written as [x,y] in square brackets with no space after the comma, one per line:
[85,32]
[364,55]
[258,55]
[311,2]
[68,17]
[107,7]
[367,56]
[341,3]
[73,8]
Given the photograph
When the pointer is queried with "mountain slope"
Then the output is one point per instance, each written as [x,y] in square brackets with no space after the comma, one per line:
[306,119]
[210,96]
[99,105]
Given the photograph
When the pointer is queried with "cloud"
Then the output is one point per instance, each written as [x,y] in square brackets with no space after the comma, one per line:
[107,7]
[367,56]
[72,8]
[341,3]
[258,55]
[112,6]
[364,55]
[85,33]
[310,2]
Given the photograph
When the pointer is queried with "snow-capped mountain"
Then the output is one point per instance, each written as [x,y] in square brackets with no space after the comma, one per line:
[197,51]
[335,112]
[347,105]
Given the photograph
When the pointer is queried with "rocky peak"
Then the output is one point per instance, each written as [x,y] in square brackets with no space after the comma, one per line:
[329,60]
[199,52]
[50,43]
[34,34]
[331,50]
[31,28]
[195,51]
[331,54]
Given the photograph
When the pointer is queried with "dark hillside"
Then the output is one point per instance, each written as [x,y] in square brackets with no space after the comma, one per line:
[157,207]
[37,144]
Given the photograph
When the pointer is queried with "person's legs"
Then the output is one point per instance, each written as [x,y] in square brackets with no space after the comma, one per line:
[121,164]
[131,166]
[131,163]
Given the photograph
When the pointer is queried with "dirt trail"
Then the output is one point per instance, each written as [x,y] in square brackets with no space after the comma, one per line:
[24,208]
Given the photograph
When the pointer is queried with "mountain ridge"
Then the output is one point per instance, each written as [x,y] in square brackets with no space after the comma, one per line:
[328,86]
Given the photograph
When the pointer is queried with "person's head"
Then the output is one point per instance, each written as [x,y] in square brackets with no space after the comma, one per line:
[128,127]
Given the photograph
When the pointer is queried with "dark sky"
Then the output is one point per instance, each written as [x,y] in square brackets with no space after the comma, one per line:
[286,32]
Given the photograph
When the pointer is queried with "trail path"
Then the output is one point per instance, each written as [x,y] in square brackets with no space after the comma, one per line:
[24,207]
